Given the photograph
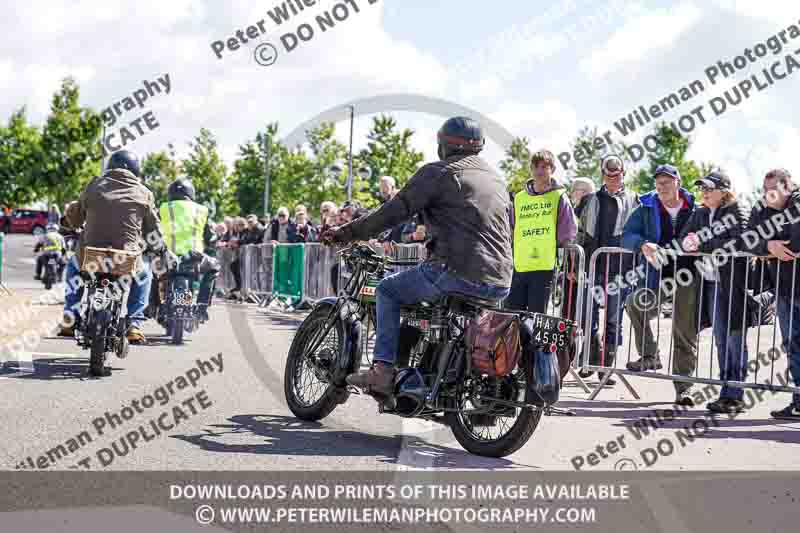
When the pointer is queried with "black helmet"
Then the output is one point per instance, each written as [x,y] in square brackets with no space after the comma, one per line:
[125,159]
[460,135]
[181,189]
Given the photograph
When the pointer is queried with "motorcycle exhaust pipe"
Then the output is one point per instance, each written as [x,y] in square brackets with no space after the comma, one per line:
[409,405]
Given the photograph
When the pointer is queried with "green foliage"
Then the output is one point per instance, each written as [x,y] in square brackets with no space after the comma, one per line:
[159,170]
[388,153]
[516,165]
[70,154]
[671,148]
[587,156]
[20,147]
[208,173]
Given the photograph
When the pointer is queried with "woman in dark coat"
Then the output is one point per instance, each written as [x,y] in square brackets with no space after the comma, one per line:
[717,225]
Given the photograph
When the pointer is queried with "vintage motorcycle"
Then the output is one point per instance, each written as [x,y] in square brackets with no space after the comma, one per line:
[489,415]
[101,327]
[177,310]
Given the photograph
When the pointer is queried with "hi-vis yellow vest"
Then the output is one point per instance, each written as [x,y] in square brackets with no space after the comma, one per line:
[54,242]
[535,223]
[182,225]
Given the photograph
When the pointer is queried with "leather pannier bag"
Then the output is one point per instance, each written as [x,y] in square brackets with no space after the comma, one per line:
[493,342]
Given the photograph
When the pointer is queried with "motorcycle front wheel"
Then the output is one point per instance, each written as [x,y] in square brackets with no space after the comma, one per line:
[496,436]
[308,393]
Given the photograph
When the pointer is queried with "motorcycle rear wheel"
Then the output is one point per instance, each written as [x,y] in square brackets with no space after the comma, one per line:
[511,440]
[97,357]
[299,370]
[177,331]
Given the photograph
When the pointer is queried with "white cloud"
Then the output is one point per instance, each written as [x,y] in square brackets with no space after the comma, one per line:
[656,30]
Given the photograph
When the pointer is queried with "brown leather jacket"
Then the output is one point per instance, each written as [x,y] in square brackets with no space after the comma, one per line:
[464,206]
[119,212]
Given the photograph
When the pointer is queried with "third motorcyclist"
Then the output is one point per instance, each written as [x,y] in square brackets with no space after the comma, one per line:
[464,206]
[51,244]
[184,224]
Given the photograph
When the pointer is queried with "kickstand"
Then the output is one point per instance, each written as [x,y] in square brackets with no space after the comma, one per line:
[550,411]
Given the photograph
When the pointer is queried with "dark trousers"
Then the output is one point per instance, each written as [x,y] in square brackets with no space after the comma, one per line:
[237,276]
[530,291]
[42,260]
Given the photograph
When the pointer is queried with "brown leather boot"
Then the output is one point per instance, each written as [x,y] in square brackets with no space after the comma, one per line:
[135,336]
[379,379]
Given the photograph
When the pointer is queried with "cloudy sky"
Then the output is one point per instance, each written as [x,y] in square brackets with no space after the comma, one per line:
[540,69]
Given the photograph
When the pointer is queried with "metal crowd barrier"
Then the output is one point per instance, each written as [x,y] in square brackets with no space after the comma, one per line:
[256,264]
[225,256]
[631,287]
[319,261]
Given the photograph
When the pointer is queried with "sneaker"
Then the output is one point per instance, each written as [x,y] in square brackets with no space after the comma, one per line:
[37,277]
[792,412]
[684,399]
[135,336]
[379,379]
[586,373]
[726,406]
[648,362]
[66,331]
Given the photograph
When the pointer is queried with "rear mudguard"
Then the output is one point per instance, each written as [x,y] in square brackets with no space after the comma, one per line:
[541,370]
[350,359]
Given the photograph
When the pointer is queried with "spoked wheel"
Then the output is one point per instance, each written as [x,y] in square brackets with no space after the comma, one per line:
[308,391]
[505,429]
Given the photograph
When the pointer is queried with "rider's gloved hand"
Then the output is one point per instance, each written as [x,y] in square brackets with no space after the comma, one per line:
[335,235]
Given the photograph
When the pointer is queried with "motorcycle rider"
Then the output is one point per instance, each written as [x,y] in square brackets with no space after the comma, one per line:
[464,206]
[184,224]
[118,212]
[51,244]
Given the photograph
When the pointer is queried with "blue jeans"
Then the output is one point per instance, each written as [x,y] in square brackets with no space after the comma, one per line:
[426,282]
[731,354]
[615,311]
[138,296]
[791,339]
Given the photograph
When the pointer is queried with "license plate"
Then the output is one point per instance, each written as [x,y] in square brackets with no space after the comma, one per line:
[422,324]
[551,331]
[51,262]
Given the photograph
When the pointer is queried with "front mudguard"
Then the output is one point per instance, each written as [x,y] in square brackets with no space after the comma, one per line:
[349,360]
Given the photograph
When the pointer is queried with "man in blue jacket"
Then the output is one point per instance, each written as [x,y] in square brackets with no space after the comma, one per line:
[654,226]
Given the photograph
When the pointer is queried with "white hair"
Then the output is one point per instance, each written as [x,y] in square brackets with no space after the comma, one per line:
[585,181]
[390,180]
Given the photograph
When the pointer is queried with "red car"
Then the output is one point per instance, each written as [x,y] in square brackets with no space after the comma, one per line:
[24,221]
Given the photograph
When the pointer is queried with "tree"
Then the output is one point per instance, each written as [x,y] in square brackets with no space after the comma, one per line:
[671,147]
[20,147]
[388,153]
[208,173]
[70,154]
[587,156]
[159,170]
[516,165]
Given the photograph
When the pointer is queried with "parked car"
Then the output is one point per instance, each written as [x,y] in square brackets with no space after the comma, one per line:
[25,221]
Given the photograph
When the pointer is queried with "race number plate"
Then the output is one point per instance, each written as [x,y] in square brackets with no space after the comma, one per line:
[551,332]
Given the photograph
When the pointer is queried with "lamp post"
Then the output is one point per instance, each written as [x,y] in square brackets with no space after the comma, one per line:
[266,174]
[350,157]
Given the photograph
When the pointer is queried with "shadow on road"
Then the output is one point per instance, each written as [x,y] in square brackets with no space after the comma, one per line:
[66,367]
[282,435]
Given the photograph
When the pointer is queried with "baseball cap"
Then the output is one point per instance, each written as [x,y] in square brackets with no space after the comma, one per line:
[715,180]
[612,165]
[669,170]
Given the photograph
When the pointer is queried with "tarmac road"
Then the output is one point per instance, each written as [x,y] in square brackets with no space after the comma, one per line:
[238,419]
